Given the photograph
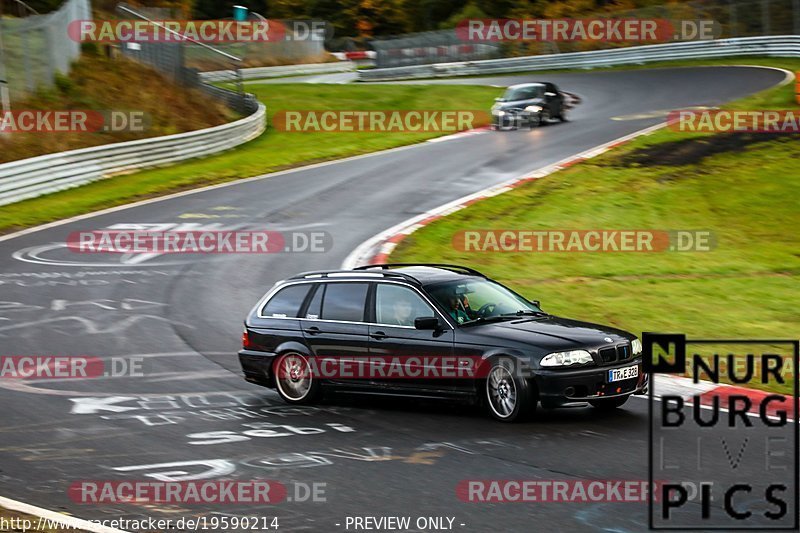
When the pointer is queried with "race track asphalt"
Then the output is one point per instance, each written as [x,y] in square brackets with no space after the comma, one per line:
[183,317]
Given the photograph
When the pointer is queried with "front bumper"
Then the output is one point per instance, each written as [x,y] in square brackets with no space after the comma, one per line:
[565,386]
[257,367]
[508,121]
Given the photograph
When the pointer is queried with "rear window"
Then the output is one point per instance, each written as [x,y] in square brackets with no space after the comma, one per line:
[344,301]
[286,302]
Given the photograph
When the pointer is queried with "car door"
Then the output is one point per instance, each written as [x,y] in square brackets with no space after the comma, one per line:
[554,99]
[424,359]
[335,329]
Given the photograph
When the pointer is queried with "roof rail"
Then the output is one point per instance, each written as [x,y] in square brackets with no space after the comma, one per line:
[445,266]
[345,273]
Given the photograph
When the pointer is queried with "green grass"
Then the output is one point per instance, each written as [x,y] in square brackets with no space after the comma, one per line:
[272,151]
[277,150]
[98,83]
[746,287]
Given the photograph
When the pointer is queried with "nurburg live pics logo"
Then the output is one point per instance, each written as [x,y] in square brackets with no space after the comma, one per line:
[726,458]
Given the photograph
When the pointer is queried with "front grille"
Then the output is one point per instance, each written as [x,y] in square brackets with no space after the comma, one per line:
[614,354]
[608,355]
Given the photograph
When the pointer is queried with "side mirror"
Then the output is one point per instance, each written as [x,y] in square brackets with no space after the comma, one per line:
[537,303]
[550,94]
[426,322]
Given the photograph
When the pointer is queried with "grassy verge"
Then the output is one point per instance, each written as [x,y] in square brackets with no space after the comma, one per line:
[743,188]
[276,150]
[101,84]
[272,151]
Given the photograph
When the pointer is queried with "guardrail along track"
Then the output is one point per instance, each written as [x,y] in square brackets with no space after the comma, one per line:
[28,178]
[776,46]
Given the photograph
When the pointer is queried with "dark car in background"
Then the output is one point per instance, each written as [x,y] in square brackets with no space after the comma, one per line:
[528,104]
[450,314]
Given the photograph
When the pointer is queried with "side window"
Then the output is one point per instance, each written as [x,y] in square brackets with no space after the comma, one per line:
[344,301]
[315,306]
[398,306]
[286,302]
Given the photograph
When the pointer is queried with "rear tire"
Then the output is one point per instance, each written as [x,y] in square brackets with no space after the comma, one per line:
[608,404]
[508,396]
[295,380]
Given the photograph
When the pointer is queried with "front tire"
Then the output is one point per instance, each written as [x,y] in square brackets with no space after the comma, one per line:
[508,397]
[562,114]
[608,404]
[295,380]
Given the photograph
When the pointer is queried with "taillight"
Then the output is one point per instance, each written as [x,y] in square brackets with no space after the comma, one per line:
[246,344]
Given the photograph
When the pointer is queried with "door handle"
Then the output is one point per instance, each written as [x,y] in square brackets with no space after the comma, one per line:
[378,335]
[313,330]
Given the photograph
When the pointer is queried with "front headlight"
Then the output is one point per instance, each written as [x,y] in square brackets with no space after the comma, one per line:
[533,108]
[636,346]
[574,357]
[500,113]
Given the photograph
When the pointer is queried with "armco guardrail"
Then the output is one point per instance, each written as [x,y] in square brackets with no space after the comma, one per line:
[778,46]
[28,178]
[256,73]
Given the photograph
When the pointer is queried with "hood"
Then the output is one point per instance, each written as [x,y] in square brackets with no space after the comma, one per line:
[553,333]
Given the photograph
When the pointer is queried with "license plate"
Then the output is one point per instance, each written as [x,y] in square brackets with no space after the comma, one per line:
[621,374]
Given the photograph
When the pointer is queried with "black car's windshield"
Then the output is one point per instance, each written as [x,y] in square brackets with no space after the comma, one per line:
[523,93]
[476,300]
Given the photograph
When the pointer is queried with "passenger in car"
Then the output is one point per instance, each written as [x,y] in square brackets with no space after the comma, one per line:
[401,312]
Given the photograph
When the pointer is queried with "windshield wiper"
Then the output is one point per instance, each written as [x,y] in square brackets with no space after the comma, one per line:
[484,319]
[526,312]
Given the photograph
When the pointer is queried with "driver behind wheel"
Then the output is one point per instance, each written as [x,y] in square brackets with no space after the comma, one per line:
[457,307]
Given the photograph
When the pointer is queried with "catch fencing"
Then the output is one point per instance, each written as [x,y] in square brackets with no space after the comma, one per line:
[773,46]
[35,48]
[733,19]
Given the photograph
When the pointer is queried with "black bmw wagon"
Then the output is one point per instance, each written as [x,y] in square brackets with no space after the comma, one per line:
[432,331]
